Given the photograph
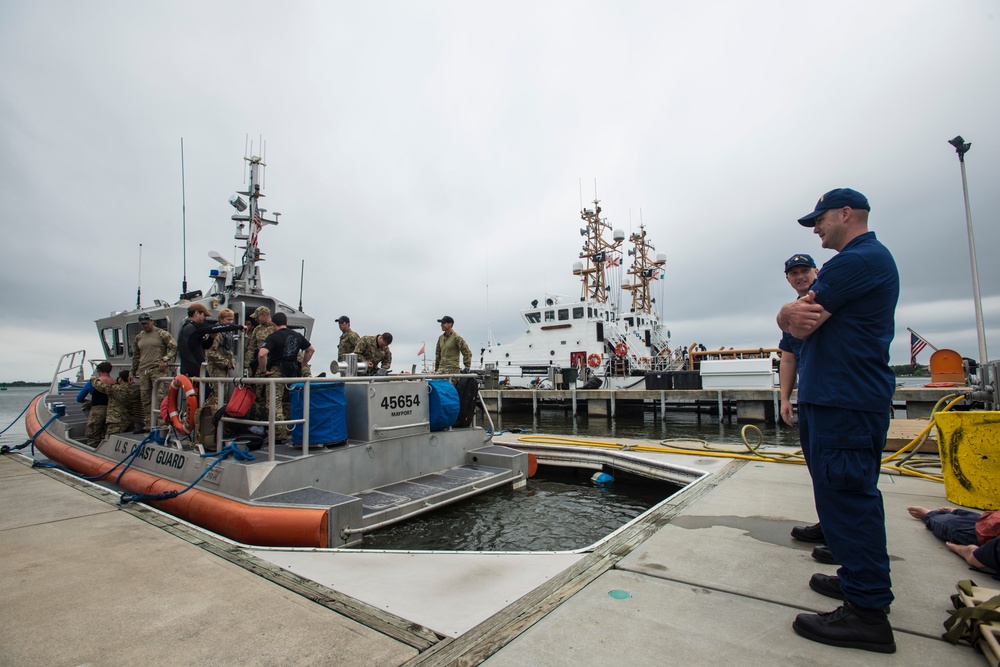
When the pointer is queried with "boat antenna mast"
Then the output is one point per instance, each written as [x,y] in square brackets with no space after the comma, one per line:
[184,279]
[246,277]
[598,253]
[138,289]
[644,270]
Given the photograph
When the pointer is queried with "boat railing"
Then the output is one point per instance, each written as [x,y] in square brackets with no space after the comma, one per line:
[67,364]
[224,385]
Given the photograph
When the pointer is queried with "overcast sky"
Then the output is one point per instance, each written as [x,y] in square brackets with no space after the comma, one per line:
[427,157]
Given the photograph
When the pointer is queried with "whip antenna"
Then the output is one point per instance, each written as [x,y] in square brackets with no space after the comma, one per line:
[138,289]
[184,283]
[302,274]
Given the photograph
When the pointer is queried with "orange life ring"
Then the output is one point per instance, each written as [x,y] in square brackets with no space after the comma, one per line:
[621,349]
[182,382]
[594,360]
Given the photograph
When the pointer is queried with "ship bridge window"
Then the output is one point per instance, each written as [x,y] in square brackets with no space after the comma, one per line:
[628,321]
[113,341]
[563,314]
[550,316]
[578,313]
[533,318]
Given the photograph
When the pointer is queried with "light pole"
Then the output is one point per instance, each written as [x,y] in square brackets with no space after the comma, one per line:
[962,147]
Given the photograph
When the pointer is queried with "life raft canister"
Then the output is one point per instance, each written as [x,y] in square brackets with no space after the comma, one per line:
[621,349]
[594,360]
[182,382]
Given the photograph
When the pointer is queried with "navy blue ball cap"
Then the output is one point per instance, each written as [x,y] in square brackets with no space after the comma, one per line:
[838,198]
[799,260]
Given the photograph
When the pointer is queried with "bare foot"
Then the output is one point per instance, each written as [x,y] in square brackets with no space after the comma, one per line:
[917,512]
[966,551]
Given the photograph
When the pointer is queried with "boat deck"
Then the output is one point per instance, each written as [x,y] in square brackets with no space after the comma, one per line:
[709,577]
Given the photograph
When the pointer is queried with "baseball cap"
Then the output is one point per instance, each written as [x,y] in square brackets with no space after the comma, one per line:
[447,319]
[835,199]
[799,260]
[261,310]
[145,317]
[343,318]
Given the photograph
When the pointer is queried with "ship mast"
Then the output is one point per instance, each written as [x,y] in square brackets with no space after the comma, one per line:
[643,270]
[246,277]
[597,254]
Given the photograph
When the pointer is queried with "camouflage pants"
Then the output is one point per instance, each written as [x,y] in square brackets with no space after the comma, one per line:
[146,380]
[282,405]
[124,425]
[96,424]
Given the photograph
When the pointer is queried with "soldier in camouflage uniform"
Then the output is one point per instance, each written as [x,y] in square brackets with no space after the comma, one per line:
[153,349]
[374,350]
[257,337]
[121,398]
[348,339]
[97,417]
[450,347]
[220,357]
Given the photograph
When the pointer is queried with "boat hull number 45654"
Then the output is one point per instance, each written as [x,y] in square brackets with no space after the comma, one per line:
[402,405]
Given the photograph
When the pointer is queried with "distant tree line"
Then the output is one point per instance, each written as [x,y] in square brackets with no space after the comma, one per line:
[906,370]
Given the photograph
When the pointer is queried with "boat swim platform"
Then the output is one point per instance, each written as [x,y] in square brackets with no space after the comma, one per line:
[710,576]
[752,405]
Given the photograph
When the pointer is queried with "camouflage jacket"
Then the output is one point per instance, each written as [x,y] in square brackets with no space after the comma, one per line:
[220,356]
[152,348]
[121,399]
[368,350]
[254,342]
[446,355]
[348,341]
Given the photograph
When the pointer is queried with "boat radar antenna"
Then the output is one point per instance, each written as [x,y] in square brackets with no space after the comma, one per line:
[598,254]
[246,277]
[644,270]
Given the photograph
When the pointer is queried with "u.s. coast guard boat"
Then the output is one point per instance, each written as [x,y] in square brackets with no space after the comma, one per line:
[388,464]
[604,337]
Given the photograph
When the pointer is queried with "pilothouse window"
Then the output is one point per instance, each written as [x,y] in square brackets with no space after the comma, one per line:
[578,313]
[550,316]
[533,318]
[114,345]
[563,314]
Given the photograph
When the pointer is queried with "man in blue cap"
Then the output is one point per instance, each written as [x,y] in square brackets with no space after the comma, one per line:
[847,321]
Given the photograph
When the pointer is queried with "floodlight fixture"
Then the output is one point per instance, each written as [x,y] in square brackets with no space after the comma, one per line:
[238,203]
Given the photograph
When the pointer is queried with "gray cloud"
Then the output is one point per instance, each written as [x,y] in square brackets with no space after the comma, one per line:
[429,159]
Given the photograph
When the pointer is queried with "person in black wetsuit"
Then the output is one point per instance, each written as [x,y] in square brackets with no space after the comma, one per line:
[194,338]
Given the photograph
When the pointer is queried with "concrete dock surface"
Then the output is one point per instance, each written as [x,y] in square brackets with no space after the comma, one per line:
[709,577]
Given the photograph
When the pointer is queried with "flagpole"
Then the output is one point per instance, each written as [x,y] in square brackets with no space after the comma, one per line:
[926,342]
[962,147]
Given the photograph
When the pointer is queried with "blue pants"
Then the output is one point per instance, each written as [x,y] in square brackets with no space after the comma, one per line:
[843,451]
[957,525]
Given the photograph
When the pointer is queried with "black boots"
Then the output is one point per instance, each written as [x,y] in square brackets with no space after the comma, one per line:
[848,626]
[813,533]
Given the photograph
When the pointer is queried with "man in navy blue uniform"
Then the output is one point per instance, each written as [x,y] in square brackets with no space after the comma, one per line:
[847,321]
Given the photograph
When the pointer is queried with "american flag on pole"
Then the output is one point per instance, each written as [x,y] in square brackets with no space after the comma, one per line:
[916,345]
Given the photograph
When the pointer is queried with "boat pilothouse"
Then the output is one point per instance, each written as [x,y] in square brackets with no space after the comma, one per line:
[613,332]
[236,287]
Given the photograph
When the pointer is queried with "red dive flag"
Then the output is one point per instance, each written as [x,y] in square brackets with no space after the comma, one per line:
[421,352]
[916,344]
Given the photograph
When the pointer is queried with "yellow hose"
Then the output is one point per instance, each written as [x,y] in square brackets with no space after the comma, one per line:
[796,458]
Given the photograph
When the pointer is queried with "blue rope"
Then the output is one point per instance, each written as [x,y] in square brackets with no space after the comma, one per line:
[237,453]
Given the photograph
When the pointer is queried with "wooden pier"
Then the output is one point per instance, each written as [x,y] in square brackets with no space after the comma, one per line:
[749,405]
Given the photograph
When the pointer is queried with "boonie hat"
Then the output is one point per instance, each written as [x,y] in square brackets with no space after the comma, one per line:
[144,317]
[799,260]
[343,318]
[261,310]
[447,319]
[835,199]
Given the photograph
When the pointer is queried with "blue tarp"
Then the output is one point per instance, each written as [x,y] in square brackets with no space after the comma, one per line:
[444,404]
[327,412]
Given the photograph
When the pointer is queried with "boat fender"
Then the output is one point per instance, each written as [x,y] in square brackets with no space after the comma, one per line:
[182,383]
[602,479]
[621,349]
[594,360]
